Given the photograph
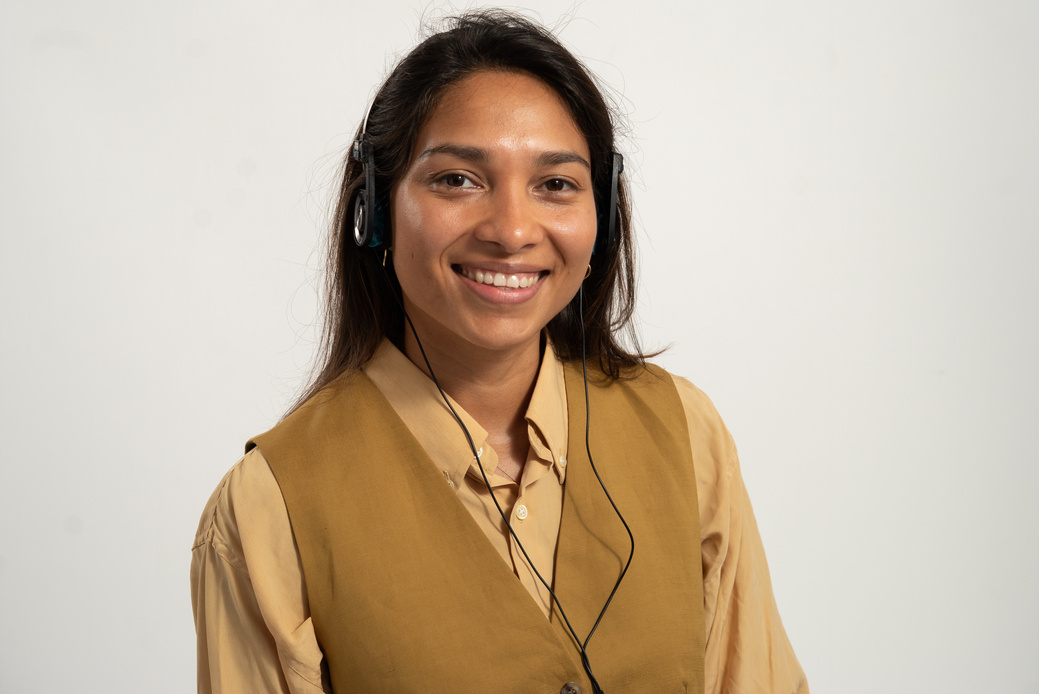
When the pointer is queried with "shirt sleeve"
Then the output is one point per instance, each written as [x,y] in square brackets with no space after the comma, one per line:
[747,647]
[251,617]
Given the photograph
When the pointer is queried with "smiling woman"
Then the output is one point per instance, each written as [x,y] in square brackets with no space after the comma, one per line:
[454,503]
[500,189]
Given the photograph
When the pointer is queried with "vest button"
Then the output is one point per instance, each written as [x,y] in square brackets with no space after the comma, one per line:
[570,688]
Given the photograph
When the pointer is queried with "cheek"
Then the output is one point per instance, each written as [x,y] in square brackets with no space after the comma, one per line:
[411,239]
[406,216]
[577,239]
[418,246]
[421,228]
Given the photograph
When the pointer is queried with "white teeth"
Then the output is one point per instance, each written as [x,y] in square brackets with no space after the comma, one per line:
[500,279]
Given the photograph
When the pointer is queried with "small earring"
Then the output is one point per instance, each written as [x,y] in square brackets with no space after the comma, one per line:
[588,271]
[384,254]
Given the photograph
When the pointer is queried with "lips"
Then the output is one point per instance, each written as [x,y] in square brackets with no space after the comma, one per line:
[505,280]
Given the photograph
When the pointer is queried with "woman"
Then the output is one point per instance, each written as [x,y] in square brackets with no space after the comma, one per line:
[430,517]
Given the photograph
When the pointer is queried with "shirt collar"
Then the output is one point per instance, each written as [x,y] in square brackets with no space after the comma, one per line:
[417,401]
[547,413]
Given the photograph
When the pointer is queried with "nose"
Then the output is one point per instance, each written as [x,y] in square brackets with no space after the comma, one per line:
[511,220]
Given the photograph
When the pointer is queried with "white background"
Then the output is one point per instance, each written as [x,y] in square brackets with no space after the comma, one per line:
[837,213]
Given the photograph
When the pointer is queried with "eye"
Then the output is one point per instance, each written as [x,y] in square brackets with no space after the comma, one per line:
[557,185]
[456,180]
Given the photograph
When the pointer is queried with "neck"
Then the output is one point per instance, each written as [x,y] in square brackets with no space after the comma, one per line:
[493,387]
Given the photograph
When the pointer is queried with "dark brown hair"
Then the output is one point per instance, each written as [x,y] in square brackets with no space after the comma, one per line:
[361,307]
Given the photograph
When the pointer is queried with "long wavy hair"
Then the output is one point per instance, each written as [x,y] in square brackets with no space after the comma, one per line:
[361,307]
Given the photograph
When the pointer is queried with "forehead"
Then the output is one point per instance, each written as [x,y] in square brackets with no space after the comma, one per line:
[491,108]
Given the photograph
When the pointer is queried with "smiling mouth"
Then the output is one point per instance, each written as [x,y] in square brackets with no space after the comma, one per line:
[518,280]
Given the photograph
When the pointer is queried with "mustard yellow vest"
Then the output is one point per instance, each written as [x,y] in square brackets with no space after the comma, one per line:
[408,595]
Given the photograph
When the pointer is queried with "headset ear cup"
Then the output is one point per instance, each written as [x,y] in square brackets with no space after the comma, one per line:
[364,207]
[618,169]
[362,221]
[606,231]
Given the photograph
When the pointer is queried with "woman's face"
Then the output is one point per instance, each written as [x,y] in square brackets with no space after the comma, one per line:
[494,219]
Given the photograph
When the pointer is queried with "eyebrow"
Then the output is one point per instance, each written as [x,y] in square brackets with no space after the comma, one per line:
[474,154]
[480,156]
[564,157]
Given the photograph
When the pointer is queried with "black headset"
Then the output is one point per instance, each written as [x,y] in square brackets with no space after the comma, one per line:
[369,217]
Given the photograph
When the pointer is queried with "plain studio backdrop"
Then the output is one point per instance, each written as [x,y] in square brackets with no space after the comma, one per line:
[838,221]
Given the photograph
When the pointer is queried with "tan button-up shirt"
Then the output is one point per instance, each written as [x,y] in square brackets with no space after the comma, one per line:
[250,601]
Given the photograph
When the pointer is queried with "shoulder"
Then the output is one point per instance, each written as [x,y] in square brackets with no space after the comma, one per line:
[714,452]
[699,408]
[327,409]
[246,494]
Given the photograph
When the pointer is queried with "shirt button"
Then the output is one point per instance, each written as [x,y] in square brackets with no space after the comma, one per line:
[521,512]
[562,462]
[448,478]
[479,453]
[570,688]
